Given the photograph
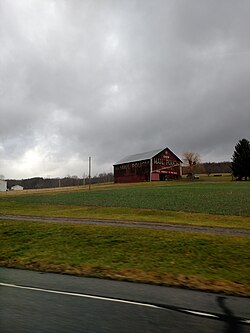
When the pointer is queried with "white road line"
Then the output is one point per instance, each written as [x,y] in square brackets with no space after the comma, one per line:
[80,295]
[117,300]
[205,314]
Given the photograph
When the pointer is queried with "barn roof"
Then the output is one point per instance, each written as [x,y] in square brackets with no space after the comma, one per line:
[142,156]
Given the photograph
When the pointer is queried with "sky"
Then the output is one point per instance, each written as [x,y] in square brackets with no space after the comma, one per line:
[110,78]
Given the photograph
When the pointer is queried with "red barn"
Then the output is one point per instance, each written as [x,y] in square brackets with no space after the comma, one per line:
[161,164]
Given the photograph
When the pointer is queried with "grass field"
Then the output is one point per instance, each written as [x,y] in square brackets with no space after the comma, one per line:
[219,204]
[225,199]
[209,262]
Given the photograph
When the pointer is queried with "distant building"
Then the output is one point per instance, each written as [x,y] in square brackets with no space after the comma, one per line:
[161,164]
[3,185]
[16,188]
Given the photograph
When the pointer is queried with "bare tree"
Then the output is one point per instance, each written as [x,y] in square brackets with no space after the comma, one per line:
[192,159]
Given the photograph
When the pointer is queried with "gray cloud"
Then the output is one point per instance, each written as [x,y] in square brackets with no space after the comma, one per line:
[110,78]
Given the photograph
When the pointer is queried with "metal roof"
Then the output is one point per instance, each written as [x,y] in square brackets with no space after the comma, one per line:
[139,157]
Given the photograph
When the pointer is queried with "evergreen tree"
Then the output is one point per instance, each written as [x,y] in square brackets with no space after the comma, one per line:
[241,160]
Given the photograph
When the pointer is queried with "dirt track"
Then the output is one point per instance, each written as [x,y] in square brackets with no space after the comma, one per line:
[131,224]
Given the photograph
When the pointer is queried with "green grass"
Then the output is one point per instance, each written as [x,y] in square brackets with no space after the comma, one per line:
[197,260]
[129,214]
[224,204]
[221,198]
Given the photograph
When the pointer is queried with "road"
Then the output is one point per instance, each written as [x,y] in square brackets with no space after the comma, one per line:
[132,224]
[45,302]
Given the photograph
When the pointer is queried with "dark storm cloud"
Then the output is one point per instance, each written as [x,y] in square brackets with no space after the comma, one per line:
[110,78]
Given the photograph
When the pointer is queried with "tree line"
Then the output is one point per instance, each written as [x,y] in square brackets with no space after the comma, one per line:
[40,182]
[208,168]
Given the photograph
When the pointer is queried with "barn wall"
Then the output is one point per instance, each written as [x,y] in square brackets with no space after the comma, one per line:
[132,172]
[166,163]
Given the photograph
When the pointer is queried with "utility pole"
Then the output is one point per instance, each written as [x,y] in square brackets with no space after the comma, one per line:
[89,173]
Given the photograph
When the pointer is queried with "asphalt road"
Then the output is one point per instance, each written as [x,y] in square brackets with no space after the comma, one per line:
[132,224]
[45,302]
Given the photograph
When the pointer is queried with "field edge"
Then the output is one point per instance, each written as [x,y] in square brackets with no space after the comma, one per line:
[138,276]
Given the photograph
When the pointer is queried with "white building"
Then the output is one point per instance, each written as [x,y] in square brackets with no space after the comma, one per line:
[3,185]
[16,188]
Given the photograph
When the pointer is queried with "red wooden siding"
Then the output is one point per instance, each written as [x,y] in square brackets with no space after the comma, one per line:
[132,172]
[166,165]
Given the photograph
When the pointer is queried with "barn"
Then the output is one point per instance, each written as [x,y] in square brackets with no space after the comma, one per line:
[3,185]
[161,164]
